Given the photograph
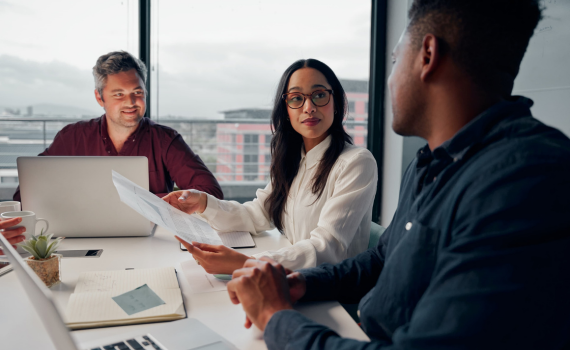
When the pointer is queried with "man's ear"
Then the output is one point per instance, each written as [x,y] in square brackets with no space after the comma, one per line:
[430,54]
[99,98]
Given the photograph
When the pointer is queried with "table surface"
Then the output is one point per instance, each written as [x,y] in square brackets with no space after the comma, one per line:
[21,328]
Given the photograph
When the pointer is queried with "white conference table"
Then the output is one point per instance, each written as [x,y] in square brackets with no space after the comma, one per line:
[21,328]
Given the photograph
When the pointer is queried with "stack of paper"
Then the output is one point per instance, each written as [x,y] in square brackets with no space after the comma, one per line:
[92,304]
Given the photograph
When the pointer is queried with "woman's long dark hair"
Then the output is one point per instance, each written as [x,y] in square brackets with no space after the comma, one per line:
[286,142]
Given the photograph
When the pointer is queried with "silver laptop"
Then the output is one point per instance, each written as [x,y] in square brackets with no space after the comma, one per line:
[77,196]
[187,334]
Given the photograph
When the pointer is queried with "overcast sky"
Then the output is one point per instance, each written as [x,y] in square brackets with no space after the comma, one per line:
[213,55]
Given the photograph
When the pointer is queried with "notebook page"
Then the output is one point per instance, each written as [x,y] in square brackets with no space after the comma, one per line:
[121,281]
[100,308]
[237,239]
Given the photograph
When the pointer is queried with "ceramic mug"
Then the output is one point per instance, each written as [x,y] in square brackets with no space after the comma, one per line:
[29,221]
[9,206]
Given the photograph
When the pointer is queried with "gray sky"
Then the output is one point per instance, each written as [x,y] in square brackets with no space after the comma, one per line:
[212,55]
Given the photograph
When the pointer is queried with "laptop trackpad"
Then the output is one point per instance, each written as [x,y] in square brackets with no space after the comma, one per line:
[214,346]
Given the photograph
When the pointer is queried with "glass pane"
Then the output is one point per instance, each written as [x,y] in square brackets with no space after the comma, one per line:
[220,63]
[46,55]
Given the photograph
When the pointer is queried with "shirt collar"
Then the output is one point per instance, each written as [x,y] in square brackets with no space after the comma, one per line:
[143,124]
[483,127]
[314,156]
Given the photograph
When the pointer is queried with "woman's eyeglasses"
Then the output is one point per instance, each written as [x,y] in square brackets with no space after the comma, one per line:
[295,100]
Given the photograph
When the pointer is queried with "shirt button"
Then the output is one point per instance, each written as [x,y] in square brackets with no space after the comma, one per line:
[108,151]
[435,178]
[408,226]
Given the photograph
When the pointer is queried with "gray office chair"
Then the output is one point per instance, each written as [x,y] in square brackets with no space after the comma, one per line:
[375,232]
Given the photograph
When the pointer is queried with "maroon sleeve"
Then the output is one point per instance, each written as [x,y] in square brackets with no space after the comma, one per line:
[188,171]
[57,148]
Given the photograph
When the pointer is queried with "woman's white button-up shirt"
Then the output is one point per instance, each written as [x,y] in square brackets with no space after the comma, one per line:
[329,229]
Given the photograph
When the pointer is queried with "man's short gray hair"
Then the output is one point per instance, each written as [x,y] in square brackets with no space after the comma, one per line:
[113,63]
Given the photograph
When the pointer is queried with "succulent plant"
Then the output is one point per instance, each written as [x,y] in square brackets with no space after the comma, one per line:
[41,246]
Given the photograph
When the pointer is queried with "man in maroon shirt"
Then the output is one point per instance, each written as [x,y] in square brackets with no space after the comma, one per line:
[123,131]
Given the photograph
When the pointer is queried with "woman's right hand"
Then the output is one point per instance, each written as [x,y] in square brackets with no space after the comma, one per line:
[188,201]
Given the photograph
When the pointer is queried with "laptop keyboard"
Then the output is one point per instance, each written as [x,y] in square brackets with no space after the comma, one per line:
[145,342]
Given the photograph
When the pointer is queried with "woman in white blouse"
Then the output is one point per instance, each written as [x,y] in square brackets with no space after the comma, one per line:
[322,186]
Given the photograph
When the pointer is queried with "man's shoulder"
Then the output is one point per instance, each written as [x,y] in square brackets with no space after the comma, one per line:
[82,126]
[527,141]
[527,149]
[165,132]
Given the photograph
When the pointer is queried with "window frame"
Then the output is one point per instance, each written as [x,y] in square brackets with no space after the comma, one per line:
[376,94]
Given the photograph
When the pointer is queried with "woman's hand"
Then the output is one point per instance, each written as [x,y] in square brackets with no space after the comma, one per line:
[14,235]
[188,201]
[215,259]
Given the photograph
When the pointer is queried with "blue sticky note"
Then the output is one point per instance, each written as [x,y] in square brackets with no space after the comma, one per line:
[137,300]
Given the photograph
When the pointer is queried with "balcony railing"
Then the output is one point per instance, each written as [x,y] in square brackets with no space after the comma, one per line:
[221,143]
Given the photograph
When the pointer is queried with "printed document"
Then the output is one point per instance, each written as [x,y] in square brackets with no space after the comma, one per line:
[163,214]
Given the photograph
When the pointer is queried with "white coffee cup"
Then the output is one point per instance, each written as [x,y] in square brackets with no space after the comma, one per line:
[9,206]
[29,221]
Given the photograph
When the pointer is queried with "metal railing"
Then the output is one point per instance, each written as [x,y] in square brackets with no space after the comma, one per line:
[216,141]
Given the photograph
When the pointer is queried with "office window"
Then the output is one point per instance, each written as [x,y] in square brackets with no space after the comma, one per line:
[251,157]
[220,62]
[45,69]
[351,106]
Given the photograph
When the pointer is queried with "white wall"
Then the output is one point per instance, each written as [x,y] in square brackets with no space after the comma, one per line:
[545,71]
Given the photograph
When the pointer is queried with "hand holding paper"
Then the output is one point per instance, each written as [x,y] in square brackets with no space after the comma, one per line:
[161,213]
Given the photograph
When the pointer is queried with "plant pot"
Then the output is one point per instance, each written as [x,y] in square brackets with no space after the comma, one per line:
[48,270]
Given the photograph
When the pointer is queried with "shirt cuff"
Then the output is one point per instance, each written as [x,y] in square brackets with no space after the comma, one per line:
[317,284]
[260,255]
[281,328]
[211,208]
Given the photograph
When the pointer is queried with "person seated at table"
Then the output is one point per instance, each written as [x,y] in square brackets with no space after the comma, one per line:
[13,235]
[477,254]
[322,186]
[123,131]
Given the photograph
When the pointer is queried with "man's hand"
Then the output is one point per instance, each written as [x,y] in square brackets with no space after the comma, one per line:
[14,235]
[188,201]
[215,258]
[263,288]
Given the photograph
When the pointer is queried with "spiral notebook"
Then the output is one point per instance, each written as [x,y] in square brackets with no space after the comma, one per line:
[95,301]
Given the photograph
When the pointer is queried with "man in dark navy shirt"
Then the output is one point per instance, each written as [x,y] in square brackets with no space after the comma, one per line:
[477,255]
[123,131]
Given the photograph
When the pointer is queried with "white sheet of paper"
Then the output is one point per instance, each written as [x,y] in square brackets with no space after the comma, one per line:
[200,281]
[163,214]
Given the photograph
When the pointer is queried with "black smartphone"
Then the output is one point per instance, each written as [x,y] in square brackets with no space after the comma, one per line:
[83,253]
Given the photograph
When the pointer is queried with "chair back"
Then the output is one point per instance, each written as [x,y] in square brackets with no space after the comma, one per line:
[375,232]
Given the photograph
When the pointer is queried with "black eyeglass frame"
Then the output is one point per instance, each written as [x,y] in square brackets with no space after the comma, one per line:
[284,97]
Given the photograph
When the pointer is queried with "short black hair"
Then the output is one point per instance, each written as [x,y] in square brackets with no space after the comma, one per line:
[486,38]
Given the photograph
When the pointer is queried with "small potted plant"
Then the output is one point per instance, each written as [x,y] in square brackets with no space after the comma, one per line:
[44,263]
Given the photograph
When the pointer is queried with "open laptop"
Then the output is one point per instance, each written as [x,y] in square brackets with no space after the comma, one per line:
[77,196]
[187,334]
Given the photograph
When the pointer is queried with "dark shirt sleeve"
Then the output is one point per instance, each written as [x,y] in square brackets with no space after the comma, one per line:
[347,281]
[188,171]
[57,148]
[501,278]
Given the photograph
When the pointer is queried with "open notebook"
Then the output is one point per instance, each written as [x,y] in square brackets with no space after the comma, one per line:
[92,304]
